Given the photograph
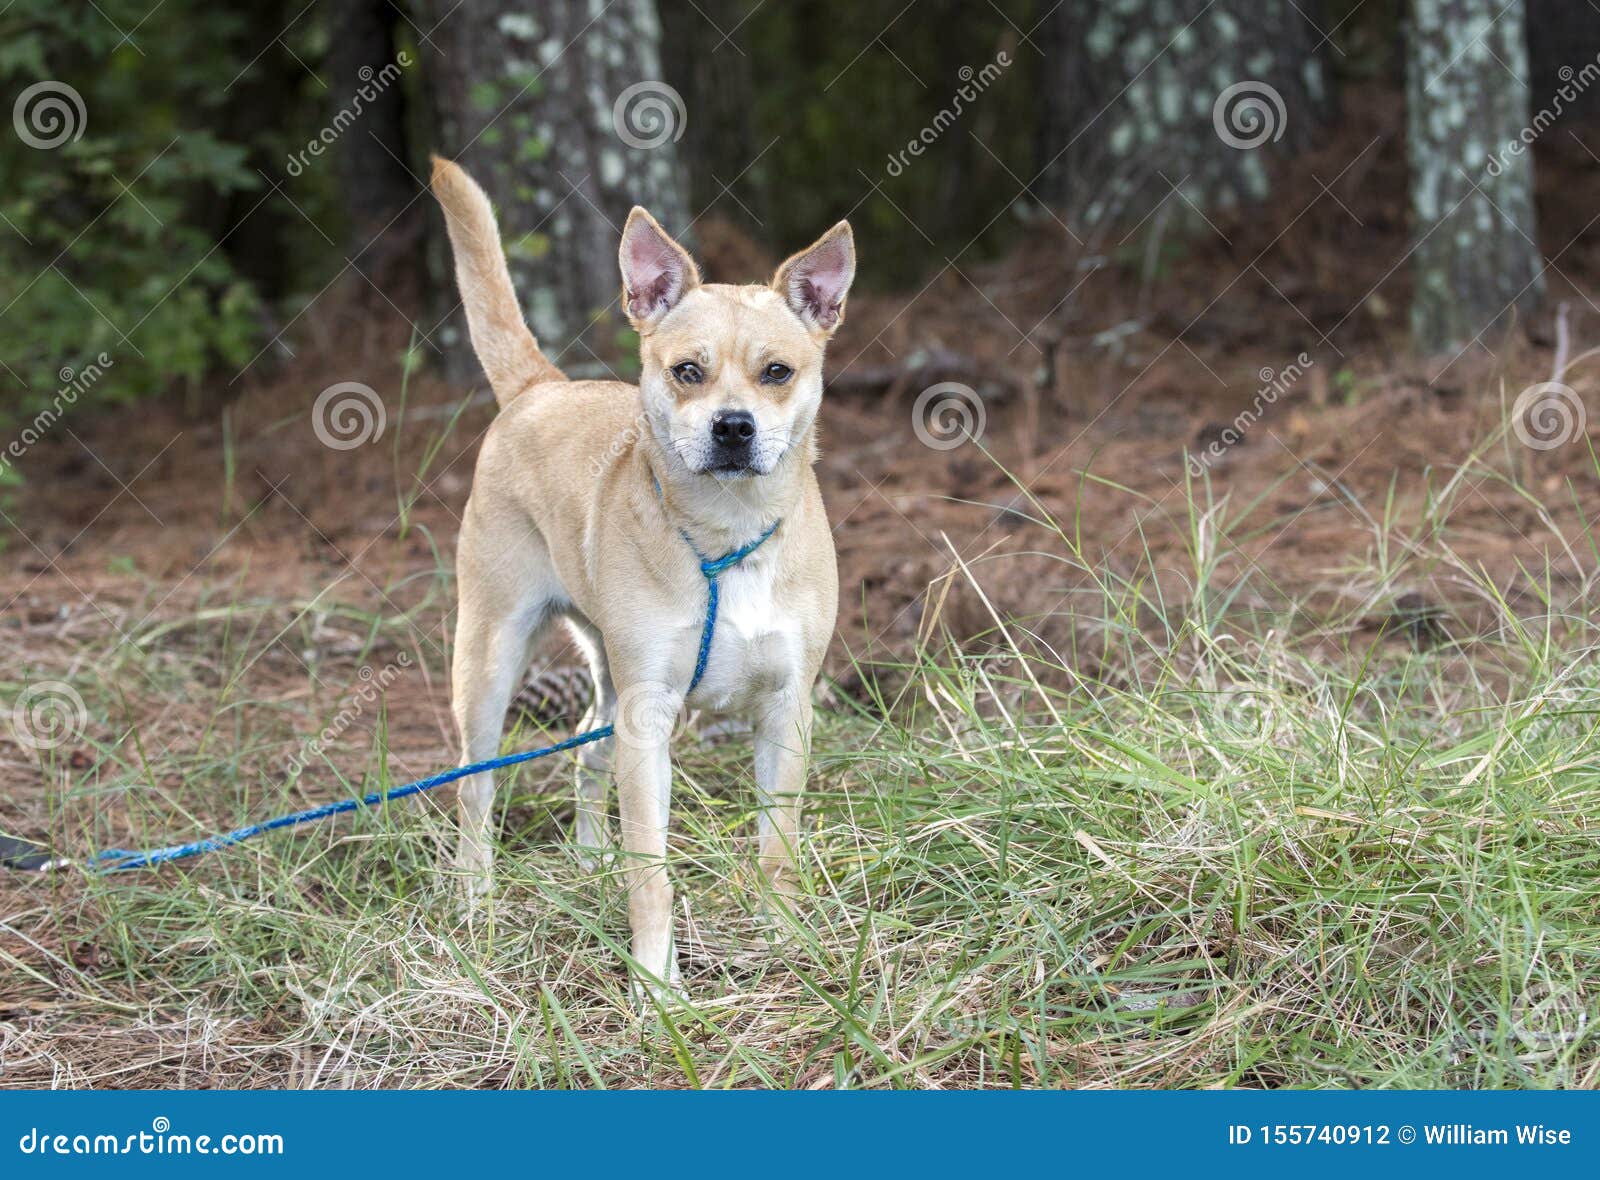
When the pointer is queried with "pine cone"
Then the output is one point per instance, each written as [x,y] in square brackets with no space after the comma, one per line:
[556,697]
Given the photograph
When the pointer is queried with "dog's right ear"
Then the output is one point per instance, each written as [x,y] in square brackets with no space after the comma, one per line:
[656,271]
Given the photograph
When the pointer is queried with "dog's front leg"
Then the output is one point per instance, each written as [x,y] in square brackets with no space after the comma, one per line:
[782,746]
[646,713]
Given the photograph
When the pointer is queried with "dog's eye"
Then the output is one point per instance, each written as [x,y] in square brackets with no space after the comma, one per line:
[776,374]
[688,372]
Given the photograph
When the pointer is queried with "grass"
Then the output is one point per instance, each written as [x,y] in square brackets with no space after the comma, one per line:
[1257,841]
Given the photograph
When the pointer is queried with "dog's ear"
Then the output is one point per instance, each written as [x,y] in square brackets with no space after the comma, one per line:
[815,281]
[656,271]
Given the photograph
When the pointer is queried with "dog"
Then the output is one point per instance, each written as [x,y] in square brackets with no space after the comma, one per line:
[590,502]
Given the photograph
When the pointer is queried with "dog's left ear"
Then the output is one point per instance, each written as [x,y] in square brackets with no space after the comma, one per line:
[815,281]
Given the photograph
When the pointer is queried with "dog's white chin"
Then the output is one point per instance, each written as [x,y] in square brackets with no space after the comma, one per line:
[755,470]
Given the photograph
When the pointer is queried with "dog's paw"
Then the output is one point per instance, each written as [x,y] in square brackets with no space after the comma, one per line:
[594,858]
[473,906]
[650,996]
[779,893]
[591,843]
[474,890]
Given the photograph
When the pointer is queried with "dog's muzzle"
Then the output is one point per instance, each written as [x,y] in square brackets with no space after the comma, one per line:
[733,435]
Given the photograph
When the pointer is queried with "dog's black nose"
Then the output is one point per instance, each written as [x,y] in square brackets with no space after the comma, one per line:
[733,429]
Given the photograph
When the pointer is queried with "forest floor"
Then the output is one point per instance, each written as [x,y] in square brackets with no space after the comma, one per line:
[1278,773]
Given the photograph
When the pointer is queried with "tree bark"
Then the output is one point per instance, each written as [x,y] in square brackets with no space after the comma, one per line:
[559,112]
[705,60]
[1563,51]
[1144,97]
[1476,259]
[383,221]
[252,231]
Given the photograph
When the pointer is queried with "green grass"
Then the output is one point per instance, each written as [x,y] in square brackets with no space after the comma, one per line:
[1261,842]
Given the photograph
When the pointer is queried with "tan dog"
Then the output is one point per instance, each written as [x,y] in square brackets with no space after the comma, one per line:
[566,522]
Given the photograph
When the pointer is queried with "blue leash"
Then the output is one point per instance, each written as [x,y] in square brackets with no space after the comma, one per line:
[709,569]
[116,860]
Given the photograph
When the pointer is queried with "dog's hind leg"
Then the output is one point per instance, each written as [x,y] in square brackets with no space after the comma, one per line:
[508,592]
[594,760]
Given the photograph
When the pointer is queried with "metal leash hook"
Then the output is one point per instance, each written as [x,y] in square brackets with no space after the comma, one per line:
[28,857]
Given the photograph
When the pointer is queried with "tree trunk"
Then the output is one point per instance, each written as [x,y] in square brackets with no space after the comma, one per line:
[383,224]
[1563,52]
[1142,97]
[1476,258]
[705,59]
[251,231]
[558,111]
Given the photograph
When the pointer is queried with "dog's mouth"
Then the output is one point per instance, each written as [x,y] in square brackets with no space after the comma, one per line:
[727,463]
[740,465]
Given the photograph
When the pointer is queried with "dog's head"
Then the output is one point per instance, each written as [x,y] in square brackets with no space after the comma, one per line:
[731,376]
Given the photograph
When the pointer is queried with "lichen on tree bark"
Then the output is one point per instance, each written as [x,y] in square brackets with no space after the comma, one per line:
[524,98]
[1132,95]
[1475,257]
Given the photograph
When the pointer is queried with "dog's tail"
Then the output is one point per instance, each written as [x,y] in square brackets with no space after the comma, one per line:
[506,348]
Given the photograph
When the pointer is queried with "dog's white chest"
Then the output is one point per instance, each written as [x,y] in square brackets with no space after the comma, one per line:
[755,648]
